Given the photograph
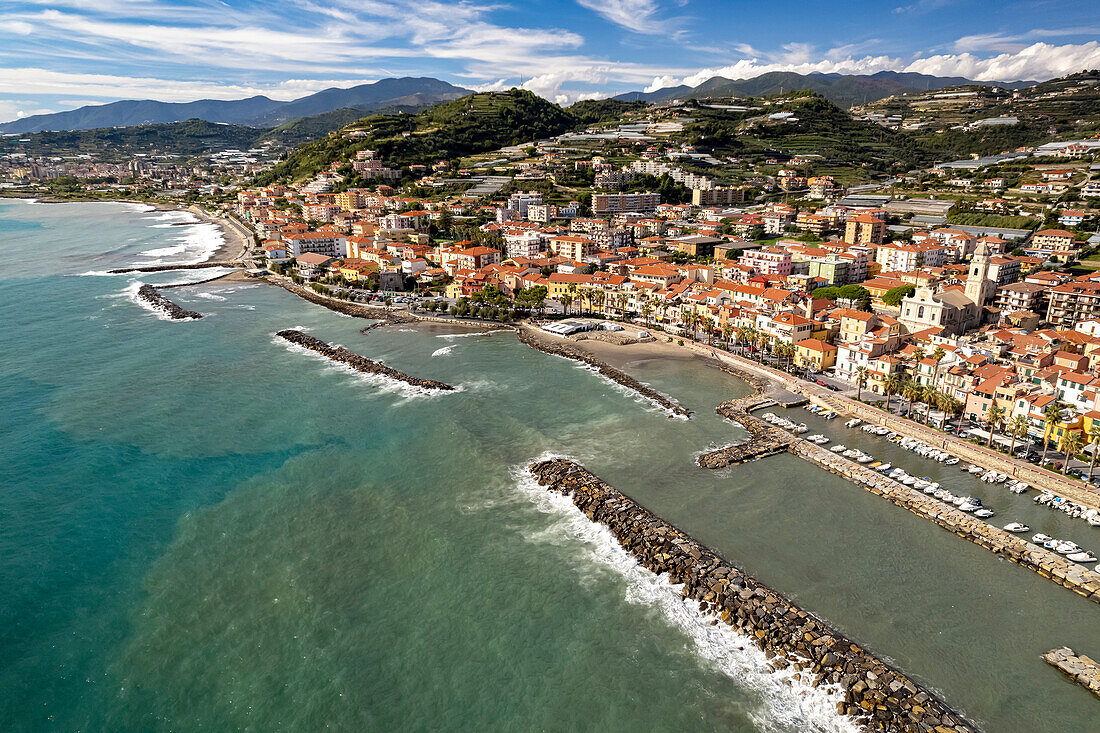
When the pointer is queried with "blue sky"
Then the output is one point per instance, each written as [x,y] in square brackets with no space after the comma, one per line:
[61,54]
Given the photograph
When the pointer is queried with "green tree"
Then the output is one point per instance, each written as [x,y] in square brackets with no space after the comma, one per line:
[1051,416]
[1018,425]
[894,296]
[995,418]
[862,373]
[1071,443]
[1094,441]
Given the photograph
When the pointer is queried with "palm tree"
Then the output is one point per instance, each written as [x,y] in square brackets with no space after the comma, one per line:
[1094,440]
[727,332]
[1051,416]
[566,300]
[891,386]
[996,417]
[1071,443]
[1018,425]
[708,327]
[910,390]
[928,396]
[954,407]
[938,355]
[862,373]
[646,309]
[690,319]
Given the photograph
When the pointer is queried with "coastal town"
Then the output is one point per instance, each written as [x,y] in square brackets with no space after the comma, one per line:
[572,365]
[873,294]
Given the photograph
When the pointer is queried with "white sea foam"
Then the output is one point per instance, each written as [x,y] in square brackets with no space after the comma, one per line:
[209,296]
[197,242]
[385,385]
[786,701]
[100,273]
[444,351]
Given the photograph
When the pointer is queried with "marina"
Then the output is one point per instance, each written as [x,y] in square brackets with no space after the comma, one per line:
[985,494]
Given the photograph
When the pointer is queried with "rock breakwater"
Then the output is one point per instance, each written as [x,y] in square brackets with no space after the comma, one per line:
[528,335]
[153,297]
[1081,669]
[357,362]
[870,691]
[166,268]
[764,439]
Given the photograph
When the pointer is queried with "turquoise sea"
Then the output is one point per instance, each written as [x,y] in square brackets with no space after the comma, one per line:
[203,529]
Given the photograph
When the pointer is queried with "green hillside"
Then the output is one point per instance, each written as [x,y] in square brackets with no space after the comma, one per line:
[184,139]
[473,124]
[816,126]
[945,124]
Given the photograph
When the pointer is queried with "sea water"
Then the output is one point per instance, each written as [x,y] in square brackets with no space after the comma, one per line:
[202,527]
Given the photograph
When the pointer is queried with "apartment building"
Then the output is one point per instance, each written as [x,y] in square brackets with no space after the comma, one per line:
[865,229]
[614,203]
[1073,302]
[768,261]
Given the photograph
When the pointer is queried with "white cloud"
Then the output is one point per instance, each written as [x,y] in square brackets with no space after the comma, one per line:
[1038,61]
[46,82]
[639,16]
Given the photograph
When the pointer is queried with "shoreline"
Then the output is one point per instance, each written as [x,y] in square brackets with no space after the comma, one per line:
[236,240]
[873,693]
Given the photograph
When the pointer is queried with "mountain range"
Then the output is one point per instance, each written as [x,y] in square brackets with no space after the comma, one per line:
[256,111]
[844,90]
[411,93]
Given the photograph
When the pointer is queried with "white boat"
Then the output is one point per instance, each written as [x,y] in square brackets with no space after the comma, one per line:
[828,415]
[1041,538]
[850,453]
[1083,556]
[885,467]
[1017,527]
[1067,548]
[801,428]
[864,458]
[930,489]
[838,448]
[983,513]
[969,506]
[909,480]
[853,422]
[951,461]
[921,485]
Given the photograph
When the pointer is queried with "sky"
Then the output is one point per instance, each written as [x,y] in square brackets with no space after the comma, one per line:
[63,54]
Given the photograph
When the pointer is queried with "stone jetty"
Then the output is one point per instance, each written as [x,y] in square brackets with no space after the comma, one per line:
[166,268]
[877,695]
[530,336]
[1081,669]
[358,310]
[152,296]
[764,439]
[357,362]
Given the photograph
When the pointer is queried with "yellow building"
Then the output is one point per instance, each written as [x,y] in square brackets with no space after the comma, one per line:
[815,354]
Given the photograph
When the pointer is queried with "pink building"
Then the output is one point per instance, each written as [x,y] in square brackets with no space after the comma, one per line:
[768,261]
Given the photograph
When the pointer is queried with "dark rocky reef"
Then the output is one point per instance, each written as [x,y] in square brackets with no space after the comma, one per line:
[152,296]
[357,362]
[877,695]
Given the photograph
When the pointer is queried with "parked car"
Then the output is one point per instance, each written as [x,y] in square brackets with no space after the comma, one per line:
[822,383]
